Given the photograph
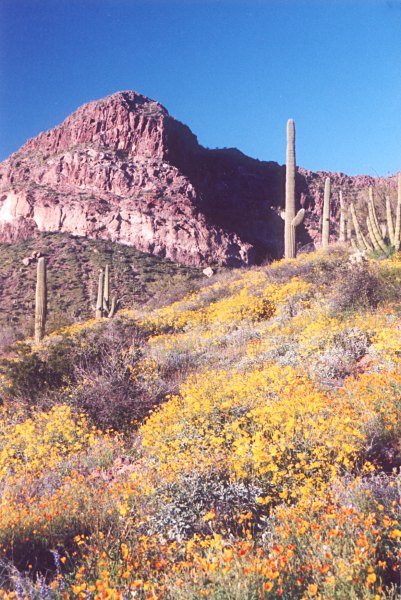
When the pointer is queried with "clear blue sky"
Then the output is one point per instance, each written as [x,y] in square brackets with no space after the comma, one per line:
[233,71]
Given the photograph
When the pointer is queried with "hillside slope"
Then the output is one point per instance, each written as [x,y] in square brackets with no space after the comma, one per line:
[72,279]
[239,443]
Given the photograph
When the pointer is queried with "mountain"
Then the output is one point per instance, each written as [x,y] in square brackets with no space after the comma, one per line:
[122,169]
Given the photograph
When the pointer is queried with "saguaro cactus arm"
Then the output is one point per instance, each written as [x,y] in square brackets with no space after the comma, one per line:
[40,301]
[326,214]
[299,217]
[374,222]
[362,243]
[372,236]
[113,307]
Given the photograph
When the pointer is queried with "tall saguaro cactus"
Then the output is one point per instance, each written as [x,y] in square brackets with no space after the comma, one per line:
[390,222]
[326,214]
[398,217]
[106,289]
[376,235]
[99,301]
[291,220]
[103,306]
[343,220]
[361,242]
[40,301]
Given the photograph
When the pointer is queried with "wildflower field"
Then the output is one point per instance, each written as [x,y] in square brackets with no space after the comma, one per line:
[241,443]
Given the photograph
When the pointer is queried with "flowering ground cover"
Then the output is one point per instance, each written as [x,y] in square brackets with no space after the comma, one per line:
[240,443]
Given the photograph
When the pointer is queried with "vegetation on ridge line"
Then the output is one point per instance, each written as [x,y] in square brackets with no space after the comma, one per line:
[73,269]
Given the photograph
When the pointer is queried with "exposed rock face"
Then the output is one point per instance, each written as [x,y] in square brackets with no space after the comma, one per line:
[104,173]
[122,169]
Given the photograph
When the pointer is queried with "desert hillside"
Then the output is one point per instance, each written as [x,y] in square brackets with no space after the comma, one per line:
[242,442]
[73,265]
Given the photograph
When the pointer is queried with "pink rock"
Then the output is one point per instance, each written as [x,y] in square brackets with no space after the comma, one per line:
[123,169]
[208,272]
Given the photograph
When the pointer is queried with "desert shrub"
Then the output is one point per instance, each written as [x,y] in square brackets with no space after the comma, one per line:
[327,547]
[88,367]
[358,287]
[345,348]
[390,278]
[8,335]
[51,483]
[377,397]
[111,390]
[200,504]
[30,373]
[336,549]
[319,268]
[270,424]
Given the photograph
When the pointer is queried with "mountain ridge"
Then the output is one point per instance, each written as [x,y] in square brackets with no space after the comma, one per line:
[122,169]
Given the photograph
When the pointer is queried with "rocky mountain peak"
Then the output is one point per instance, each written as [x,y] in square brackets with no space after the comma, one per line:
[121,168]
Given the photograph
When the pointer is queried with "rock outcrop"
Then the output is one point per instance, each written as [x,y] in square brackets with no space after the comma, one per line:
[123,169]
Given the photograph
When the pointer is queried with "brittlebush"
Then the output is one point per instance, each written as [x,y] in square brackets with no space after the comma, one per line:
[271,424]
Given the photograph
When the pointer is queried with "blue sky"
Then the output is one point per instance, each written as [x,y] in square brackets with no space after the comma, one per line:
[233,71]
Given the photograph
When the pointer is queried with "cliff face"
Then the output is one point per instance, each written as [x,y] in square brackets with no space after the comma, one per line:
[122,169]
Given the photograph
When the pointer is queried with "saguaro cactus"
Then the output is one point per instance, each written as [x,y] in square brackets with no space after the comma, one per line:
[361,241]
[103,306]
[41,301]
[291,220]
[376,234]
[99,301]
[390,223]
[106,289]
[398,217]
[326,214]
[343,220]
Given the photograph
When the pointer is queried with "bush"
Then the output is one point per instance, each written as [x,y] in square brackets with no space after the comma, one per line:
[358,287]
[201,503]
[339,360]
[109,389]
[270,425]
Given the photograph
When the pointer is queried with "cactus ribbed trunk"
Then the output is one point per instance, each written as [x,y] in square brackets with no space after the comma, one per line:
[291,220]
[326,214]
[106,290]
[371,203]
[390,223]
[360,240]
[99,301]
[374,222]
[289,233]
[41,300]
[398,217]
[372,236]
[343,220]
[349,225]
